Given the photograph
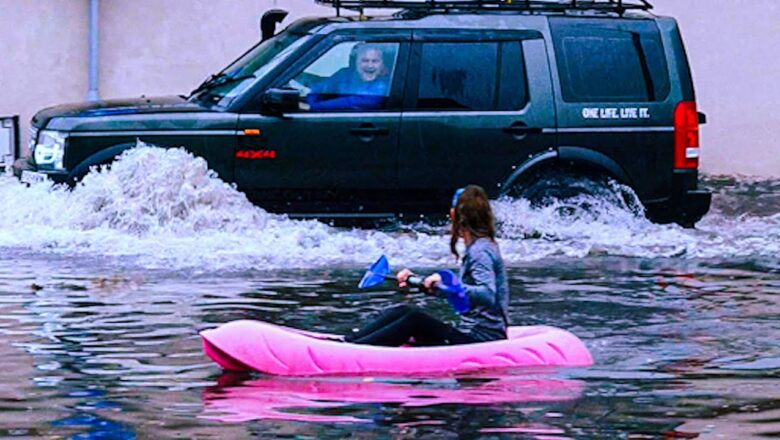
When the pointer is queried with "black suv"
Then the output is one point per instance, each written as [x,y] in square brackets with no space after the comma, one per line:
[378,116]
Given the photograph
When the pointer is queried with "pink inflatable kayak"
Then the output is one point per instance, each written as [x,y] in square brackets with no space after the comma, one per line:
[255,345]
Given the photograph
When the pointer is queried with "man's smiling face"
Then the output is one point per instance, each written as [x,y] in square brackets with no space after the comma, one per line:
[370,65]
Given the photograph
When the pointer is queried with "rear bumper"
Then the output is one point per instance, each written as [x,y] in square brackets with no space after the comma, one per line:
[687,204]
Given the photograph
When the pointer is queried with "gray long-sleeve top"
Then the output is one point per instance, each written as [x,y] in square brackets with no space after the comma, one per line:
[483,274]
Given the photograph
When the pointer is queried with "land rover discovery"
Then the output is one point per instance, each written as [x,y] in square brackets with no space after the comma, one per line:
[378,116]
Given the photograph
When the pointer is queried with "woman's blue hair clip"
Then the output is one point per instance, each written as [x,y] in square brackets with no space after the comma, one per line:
[455,196]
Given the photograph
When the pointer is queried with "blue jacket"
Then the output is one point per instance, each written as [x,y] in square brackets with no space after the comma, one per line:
[346,91]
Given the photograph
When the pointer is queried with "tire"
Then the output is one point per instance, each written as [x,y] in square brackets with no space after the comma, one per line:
[545,186]
[102,157]
[572,189]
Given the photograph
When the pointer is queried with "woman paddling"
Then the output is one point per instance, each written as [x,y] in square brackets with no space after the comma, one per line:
[482,275]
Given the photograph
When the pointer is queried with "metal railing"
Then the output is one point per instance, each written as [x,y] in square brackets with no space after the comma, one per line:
[9,140]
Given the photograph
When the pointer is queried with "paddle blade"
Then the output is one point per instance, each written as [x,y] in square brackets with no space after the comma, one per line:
[454,291]
[375,274]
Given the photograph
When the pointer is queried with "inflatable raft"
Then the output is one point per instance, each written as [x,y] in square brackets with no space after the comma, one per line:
[259,346]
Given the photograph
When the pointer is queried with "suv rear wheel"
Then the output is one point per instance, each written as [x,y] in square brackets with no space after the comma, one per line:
[573,190]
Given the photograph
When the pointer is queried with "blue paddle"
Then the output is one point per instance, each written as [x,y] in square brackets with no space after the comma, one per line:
[450,285]
[379,272]
[452,288]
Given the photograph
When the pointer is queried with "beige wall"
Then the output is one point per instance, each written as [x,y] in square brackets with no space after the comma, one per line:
[151,47]
[734,50]
[43,53]
[156,47]
[169,46]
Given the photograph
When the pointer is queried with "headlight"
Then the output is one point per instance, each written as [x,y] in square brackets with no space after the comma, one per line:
[33,139]
[50,150]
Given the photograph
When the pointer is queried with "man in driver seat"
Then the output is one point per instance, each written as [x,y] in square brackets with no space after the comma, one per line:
[364,86]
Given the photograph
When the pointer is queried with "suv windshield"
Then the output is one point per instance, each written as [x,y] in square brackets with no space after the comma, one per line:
[220,89]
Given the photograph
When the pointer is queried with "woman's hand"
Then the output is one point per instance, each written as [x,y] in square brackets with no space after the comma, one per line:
[431,281]
[402,277]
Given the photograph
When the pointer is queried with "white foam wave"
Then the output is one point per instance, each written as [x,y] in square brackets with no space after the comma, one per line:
[164,208]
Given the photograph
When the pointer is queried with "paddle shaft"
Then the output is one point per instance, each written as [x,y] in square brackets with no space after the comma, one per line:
[413,280]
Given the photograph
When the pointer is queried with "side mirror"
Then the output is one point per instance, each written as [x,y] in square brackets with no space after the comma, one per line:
[277,102]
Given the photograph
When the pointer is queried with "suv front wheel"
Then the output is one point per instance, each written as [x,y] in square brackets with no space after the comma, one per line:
[103,157]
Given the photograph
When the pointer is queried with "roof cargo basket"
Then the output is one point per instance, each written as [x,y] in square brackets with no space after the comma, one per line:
[437,6]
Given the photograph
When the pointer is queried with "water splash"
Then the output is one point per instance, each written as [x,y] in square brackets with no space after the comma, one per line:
[153,191]
[164,208]
[744,221]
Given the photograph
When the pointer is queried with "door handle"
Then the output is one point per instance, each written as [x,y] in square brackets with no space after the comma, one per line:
[365,131]
[519,129]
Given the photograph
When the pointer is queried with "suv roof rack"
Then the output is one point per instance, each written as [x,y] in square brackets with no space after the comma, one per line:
[438,6]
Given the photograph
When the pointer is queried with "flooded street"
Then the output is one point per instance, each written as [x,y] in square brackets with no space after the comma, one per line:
[103,291]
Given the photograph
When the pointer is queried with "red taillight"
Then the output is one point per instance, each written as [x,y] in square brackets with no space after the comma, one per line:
[686,136]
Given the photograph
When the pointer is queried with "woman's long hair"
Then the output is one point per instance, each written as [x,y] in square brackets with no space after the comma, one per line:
[471,212]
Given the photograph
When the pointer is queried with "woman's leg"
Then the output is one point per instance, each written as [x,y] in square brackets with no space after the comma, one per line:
[430,331]
[409,324]
[387,317]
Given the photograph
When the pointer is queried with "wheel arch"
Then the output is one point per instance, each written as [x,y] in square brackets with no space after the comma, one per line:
[578,158]
[102,157]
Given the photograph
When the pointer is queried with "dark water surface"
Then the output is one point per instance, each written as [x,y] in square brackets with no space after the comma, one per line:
[679,346]
[100,338]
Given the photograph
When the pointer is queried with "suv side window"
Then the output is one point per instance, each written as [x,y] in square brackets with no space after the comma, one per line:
[513,87]
[350,76]
[610,62]
[450,79]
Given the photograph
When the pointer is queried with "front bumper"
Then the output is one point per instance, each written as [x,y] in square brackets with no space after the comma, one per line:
[26,164]
[687,204]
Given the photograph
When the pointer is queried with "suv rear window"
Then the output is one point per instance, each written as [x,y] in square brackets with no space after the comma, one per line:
[450,79]
[610,61]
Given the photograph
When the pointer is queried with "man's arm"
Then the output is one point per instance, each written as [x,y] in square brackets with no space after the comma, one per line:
[346,102]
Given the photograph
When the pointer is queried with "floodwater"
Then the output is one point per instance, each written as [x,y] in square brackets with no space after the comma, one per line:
[103,291]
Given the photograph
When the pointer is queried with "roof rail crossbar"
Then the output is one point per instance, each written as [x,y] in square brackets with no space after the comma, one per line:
[619,6]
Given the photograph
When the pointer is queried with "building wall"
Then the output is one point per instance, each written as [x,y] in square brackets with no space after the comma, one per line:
[158,47]
[171,50]
[734,50]
[150,47]
[43,53]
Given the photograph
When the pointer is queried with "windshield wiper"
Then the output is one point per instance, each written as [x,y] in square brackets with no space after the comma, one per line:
[207,83]
[219,79]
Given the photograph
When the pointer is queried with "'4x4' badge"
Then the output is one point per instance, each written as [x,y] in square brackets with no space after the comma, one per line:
[256,154]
